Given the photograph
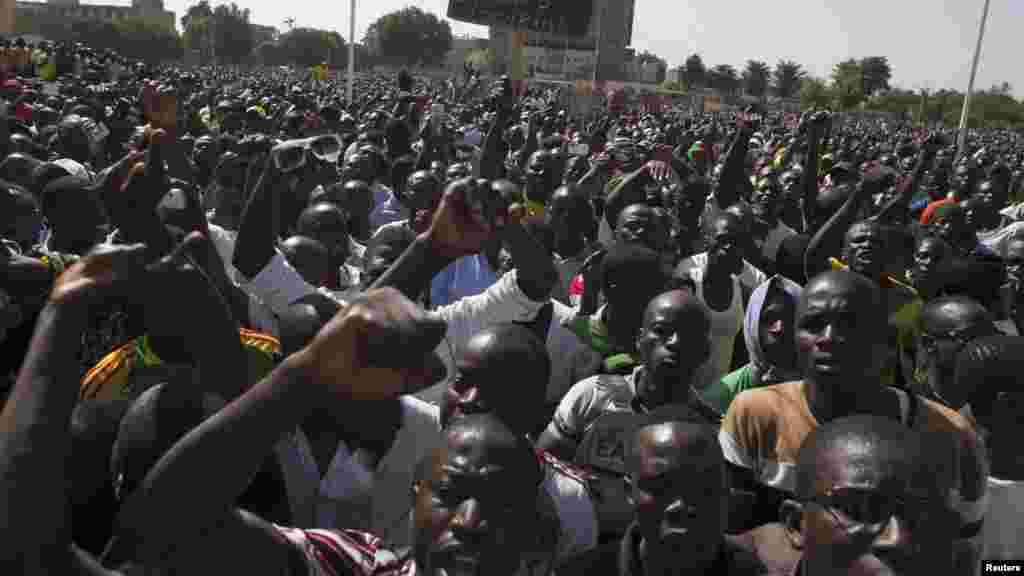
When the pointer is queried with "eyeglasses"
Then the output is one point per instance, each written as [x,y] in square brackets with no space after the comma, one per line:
[930,342]
[292,155]
[860,508]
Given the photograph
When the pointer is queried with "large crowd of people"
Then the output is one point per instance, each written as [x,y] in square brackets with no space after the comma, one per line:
[454,328]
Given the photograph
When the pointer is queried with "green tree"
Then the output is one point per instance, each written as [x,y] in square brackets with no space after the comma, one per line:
[134,36]
[787,78]
[309,47]
[848,84]
[724,78]
[694,72]
[410,37]
[232,35]
[672,86]
[195,25]
[877,73]
[814,93]
[756,77]
[481,58]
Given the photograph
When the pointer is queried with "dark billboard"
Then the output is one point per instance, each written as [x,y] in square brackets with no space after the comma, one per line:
[564,17]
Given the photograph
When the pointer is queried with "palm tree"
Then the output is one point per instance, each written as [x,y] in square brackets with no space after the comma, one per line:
[724,78]
[755,78]
[787,77]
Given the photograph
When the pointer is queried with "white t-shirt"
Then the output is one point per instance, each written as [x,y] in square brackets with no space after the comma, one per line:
[349,495]
[588,399]
[996,239]
[1003,533]
[725,325]
[224,241]
[696,266]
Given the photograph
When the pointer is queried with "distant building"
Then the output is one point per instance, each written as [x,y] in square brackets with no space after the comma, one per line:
[152,10]
[603,47]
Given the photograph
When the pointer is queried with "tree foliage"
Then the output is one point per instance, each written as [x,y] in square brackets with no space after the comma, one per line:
[815,93]
[877,73]
[787,78]
[410,37]
[222,33]
[131,35]
[481,58]
[694,72]
[848,84]
[724,78]
[756,78]
[310,46]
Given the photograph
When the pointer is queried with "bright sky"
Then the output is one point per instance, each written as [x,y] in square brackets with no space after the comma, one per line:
[928,42]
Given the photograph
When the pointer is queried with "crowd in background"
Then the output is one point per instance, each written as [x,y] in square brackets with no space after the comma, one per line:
[251,327]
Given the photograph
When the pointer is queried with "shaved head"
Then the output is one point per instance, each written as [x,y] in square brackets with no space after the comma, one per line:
[503,370]
[846,283]
[684,302]
[956,309]
[857,441]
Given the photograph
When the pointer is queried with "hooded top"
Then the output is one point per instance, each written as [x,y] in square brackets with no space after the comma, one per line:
[759,372]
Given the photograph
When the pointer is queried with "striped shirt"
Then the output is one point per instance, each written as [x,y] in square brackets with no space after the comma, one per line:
[765,427]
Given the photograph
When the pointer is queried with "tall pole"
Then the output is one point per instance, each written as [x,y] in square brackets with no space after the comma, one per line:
[597,41]
[962,133]
[351,51]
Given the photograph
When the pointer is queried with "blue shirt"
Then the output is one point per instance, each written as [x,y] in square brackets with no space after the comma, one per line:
[387,207]
[467,276]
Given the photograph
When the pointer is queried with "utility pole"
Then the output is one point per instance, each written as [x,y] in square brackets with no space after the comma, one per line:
[351,51]
[962,133]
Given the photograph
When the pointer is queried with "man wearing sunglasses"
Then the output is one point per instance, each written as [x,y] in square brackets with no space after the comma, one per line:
[871,498]
[839,318]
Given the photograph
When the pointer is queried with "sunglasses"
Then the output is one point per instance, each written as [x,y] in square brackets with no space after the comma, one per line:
[293,154]
[856,509]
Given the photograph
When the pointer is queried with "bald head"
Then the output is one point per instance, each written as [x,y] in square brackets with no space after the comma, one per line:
[682,303]
[309,257]
[487,440]
[674,441]
[844,449]
[503,370]
[861,292]
[954,312]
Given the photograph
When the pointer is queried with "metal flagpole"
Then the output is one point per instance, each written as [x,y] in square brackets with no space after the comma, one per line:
[962,133]
[351,50]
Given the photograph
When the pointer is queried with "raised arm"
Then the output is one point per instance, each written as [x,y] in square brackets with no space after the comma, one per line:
[35,443]
[454,232]
[491,162]
[828,241]
[897,209]
[734,170]
[351,360]
[258,232]
[809,176]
